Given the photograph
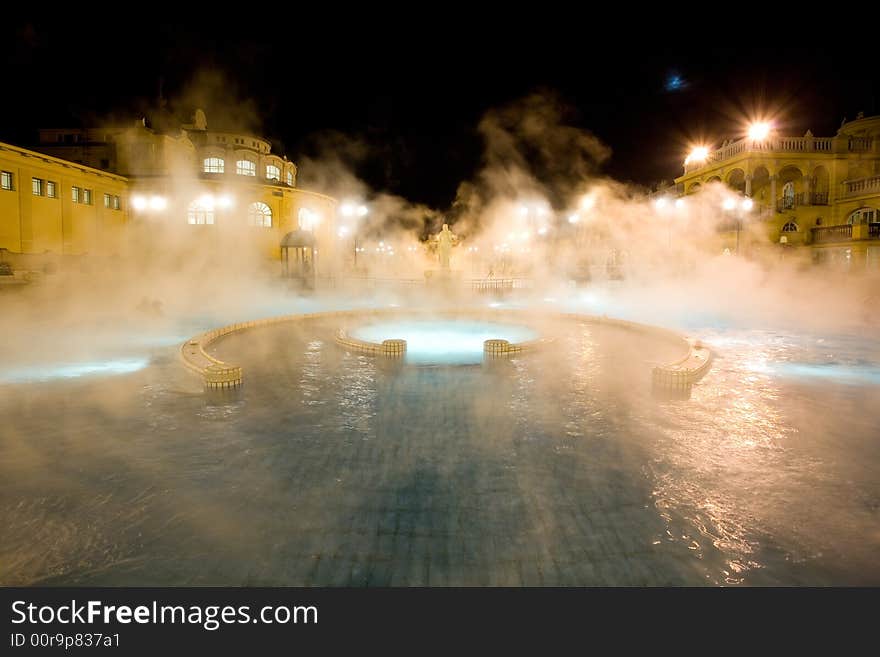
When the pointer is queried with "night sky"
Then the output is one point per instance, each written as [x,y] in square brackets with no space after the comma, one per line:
[415,96]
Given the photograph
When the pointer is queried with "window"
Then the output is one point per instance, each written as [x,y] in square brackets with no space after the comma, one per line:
[87,196]
[106,200]
[116,203]
[307,218]
[75,194]
[245,168]
[200,214]
[6,180]
[37,186]
[864,216]
[51,189]
[273,172]
[788,195]
[790,227]
[260,214]
[214,165]
[290,178]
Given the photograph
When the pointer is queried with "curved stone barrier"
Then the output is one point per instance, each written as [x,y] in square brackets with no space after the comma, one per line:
[680,374]
[496,348]
[392,348]
[683,373]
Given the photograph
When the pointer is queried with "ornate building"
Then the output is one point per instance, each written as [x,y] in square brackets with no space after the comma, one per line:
[816,192]
[208,182]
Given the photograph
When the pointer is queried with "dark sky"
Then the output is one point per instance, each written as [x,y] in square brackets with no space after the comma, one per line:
[416,94]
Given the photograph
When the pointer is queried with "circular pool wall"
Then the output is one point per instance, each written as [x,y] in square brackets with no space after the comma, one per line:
[443,341]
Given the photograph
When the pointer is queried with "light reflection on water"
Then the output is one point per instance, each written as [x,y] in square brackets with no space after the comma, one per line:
[450,342]
[774,459]
[328,468]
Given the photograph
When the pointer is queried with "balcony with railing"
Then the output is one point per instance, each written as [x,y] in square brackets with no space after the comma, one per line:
[828,234]
[845,233]
[806,144]
[861,186]
[801,199]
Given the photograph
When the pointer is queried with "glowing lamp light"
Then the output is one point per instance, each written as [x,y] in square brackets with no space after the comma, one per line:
[697,154]
[660,203]
[158,203]
[759,131]
[139,202]
[524,235]
[347,210]
[542,230]
[573,218]
[308,219]
[343,231]
[679,203]
[728,204]
[523,210]
[587,202]
[224,201]
[362,211]
[747,204]
[206,202]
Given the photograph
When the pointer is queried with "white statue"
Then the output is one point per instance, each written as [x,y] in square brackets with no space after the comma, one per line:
[444,246]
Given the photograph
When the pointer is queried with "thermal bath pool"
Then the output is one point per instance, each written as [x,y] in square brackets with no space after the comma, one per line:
[443,341]
[556,468]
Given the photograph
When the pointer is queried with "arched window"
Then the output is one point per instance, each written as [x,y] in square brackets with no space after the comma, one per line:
[788,196]
[308,219]
[864,216]
[290,178]
[200,213]
[214,165]
[260,214]
[273,172]
[246,168]
[790,227]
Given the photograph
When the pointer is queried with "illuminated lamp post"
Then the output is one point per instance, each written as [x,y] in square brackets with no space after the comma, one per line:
[353,211]
[759,131]
[740,208]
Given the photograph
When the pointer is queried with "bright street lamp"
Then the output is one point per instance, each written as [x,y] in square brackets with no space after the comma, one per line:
[697,154]
[759,130]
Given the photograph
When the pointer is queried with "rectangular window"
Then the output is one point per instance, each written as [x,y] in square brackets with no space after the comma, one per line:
[37,186]
[87,196]
[116,203]
[246,168]
[106,200]
[51,189]
[6,180]
[75,194]
[214,165]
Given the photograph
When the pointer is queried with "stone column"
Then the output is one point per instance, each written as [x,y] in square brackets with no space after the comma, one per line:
[748,184]
[773,192]
[807,198]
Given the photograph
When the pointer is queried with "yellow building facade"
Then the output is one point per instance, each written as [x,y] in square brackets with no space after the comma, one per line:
[817,192]
[49,205]
[219,189]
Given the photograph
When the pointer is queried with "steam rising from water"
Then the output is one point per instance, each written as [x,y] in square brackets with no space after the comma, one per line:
[771,461]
